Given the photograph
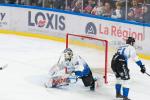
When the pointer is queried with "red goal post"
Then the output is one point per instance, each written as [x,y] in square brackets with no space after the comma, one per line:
[105,44]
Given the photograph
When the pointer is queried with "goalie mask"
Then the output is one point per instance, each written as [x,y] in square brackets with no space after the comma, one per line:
[68,54]
[130,41]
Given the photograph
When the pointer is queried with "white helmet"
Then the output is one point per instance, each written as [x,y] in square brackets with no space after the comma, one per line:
[68,54]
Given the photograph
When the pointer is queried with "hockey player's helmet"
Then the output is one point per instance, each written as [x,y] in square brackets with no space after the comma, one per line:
[68,54]
[130,41]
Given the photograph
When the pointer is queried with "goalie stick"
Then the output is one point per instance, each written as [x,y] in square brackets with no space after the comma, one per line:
[3,67]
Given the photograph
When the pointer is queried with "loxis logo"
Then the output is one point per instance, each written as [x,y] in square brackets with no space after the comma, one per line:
[46,20]
[2,21]
[90,28]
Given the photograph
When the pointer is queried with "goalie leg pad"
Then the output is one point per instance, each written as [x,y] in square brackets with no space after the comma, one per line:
[57,81]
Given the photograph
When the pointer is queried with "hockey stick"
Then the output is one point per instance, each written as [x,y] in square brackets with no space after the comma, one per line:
[59,59]
[3,67]
[147,74]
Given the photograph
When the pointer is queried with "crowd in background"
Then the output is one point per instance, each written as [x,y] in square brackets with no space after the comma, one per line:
[134,10]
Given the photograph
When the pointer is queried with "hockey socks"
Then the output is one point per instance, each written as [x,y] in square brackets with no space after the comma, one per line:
[118,88]
[125,91]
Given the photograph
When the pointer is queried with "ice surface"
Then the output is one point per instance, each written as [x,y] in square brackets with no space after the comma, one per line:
[30,59]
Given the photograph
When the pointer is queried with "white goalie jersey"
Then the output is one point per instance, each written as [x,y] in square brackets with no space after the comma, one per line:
[75,64]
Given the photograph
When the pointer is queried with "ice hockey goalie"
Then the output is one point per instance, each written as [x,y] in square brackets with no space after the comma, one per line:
[68,70]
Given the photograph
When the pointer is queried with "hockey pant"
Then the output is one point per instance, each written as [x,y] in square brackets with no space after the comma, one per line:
[119,67]
[88,80]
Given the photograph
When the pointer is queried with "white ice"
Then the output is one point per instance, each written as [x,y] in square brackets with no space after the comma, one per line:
[29,60]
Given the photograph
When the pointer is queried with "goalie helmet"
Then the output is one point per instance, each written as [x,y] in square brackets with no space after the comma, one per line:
[130,41]
[68,54]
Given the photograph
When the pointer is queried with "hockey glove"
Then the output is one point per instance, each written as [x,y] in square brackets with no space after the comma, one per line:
[143,69]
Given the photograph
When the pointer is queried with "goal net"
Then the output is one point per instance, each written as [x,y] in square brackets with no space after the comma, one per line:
[93,50]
